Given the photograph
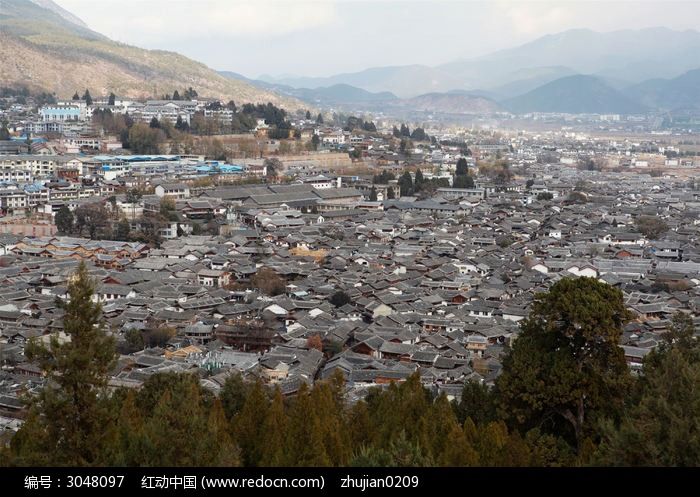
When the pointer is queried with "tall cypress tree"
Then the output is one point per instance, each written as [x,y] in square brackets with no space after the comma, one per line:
[68,423]
[247,424]
[273,432]
[373,195]
[418,183]
[406,184]
[360,427]
[130,445]
[438,424]
[219,447]
[326,399]
[233,394]
[305,441]
[462,168]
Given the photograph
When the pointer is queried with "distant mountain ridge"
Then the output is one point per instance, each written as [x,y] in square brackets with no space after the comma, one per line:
[454,102]
[576,94]
[573,94]
[669,94]
[46,48]
[626,57]
[403,81]
[329,95]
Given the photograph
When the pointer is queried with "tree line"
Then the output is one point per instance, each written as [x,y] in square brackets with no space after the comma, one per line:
[404,132]
[408,185]
[565,397]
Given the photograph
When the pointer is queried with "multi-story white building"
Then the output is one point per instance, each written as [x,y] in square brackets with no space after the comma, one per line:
[38,165]
[12,199]
[334,138]
[169,110]
[13,175]
[223,115]
[76,110]
[39,196]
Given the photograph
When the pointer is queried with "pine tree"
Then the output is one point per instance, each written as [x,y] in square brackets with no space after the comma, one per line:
[69,425]
[360,427]
[176,95]
[87,97]
[233,394]
[131,442]
[463,181]
[399,408]
[112,98]
[123,230]
[418,182]
[327,401]
[248,422]
[177,427]
[462,167]
[661,427]
[305,437]
[273,432]
[64,220]
[439,423]
[4,132]
[373,194]
[406,184]
[477,402]
[219,449]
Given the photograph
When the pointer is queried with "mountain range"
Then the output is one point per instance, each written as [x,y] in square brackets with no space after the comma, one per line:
[581,94]
[576,94]
[573,94]
[44,47]
[352,98]
[329,95]
[620,58]
[682,92]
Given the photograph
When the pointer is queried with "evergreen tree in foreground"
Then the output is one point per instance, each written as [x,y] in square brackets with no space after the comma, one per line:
[566,370]
[67,423]
[662,425]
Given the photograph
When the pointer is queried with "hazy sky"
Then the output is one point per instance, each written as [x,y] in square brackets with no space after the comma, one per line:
[324,37]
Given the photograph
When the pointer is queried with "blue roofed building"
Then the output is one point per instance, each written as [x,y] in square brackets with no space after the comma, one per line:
[218,167]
